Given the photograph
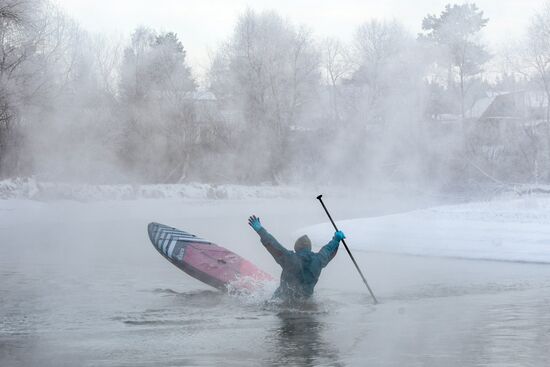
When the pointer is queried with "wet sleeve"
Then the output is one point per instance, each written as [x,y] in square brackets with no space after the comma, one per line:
[328,252]
[279,253]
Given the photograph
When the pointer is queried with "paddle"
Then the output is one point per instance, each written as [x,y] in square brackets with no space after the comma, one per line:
[347,249]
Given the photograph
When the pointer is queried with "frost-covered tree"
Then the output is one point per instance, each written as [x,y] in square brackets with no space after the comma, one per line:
[268,71]
[387,91]
[16,46]
[456,35]
[154,67]
[156,88]
[337,65]
[384,53]
[537,52]
[36,62]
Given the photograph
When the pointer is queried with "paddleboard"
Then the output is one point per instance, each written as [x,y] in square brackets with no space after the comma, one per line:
[206,261]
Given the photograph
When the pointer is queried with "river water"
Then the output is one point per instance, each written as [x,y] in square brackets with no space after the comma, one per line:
[80,285]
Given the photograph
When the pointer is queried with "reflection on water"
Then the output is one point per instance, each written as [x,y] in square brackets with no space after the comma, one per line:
[475,314]
[53,322]
[516,331]
[299,339]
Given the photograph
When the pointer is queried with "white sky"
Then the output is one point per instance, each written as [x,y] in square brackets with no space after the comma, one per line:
[202,24]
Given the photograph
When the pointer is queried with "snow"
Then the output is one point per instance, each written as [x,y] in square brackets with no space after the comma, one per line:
[510,228]
[30,188]
[507,229]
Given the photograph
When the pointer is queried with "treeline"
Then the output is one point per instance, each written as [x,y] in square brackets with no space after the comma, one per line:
[277,104]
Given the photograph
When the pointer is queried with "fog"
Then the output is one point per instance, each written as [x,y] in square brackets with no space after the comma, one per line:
[432,149]
[277,104]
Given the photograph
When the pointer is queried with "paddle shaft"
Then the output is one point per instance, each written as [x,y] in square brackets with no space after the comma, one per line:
[347,249]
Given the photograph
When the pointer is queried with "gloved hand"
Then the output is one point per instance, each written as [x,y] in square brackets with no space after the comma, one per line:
[339,236]
[254,222]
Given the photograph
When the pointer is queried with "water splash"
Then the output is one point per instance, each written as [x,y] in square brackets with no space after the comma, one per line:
[252,290]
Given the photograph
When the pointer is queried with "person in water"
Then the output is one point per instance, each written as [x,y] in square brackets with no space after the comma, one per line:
[301,267]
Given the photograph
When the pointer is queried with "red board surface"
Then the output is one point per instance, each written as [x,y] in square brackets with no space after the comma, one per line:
[205,261]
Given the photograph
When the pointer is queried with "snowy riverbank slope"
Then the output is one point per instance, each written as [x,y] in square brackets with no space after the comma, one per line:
[29,188]
[512,229]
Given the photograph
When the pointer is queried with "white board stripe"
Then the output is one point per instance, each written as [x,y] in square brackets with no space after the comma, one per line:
[164,242]
[165,238]
[170,246]
[184,239]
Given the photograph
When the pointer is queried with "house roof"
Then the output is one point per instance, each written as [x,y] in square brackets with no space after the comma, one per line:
[515,105]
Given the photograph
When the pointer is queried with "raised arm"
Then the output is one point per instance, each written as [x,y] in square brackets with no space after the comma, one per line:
[327,253]
[279,253]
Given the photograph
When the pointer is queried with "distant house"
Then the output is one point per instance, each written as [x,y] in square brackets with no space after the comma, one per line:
[522,107]
[472,113]
[511,113]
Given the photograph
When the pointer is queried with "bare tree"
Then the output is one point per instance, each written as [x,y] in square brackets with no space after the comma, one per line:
[384,53]
[156,86]
[337,65]
[18,41]
[538,52]
[269,71]
[456,33]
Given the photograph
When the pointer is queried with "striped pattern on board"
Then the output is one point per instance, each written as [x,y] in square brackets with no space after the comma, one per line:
[167,238]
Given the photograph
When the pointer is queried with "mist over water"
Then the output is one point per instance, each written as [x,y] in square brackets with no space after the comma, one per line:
[101,135]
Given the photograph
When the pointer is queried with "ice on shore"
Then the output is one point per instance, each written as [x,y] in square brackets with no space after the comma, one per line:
[512,229]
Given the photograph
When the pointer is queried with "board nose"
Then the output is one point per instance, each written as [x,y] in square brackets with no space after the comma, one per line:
[155,232]
[152,229]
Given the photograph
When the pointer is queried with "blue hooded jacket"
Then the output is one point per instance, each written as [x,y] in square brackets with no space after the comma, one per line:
[301,269]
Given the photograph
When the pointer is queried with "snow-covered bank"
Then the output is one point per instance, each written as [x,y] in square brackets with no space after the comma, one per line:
[513,229]
[28,188]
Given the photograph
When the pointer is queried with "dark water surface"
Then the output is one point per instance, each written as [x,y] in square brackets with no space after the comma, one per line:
[80,285]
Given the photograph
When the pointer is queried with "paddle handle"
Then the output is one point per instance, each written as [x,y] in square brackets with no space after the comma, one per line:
[347,249]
